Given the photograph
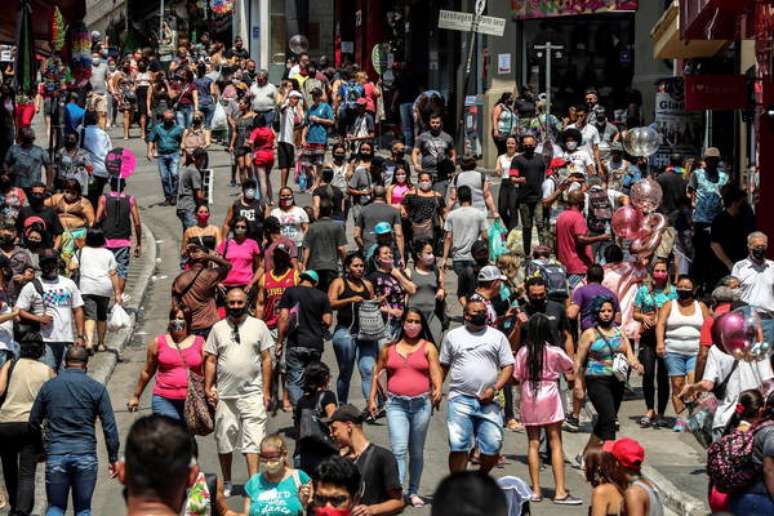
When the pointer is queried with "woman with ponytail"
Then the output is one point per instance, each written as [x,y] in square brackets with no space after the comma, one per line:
[538,367]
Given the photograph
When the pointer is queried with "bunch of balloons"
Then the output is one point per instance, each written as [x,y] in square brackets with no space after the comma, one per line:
[638,222]
[80,53]
[739,334]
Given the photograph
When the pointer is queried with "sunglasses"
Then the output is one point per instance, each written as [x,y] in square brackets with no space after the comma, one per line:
[335,501]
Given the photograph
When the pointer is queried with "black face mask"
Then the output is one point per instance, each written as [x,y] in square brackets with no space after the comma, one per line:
[759,254]
[477,320]
[538,303]
[338,159]
[605,324]
[28,141]
[49,272]
[37,199]
[34,244]
[366,155]
[684,295]
[399,155]
[435,132]
[168,123]
[528,151]
[236,313]
[6,240]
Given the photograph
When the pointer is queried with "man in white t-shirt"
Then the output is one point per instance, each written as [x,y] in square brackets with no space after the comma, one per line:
[478,361]
[263,95]
[756,279]
[590,135]
[290,116]
[237,361]
[52,304]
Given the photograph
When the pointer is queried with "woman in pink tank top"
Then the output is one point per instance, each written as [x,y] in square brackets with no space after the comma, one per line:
[169,358]
[399,187]
[414,381]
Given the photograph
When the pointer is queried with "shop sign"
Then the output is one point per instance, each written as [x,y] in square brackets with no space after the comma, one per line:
[526,9]
[719,92]
[681,131]
[456,20]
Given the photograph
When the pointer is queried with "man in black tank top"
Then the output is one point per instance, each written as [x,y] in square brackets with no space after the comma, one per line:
[247,206]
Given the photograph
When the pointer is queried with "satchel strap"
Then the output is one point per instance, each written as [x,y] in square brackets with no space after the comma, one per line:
[607,342]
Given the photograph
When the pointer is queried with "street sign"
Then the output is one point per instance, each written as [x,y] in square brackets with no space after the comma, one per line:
[455,20]
[480,7]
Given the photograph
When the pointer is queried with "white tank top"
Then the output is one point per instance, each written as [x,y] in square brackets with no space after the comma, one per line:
[339,176]
[682,331]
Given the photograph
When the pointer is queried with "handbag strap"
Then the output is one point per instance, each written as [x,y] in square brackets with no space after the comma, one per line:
[8,381]
[722,385]
[607,342]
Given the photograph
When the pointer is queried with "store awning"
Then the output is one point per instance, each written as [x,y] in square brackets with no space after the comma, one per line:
[667,43]
[72,11]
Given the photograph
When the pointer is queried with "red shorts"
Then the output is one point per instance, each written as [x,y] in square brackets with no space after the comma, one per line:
[264,158]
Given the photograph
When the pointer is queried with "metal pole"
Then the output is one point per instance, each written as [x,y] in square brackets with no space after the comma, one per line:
[161,22]
[548,79]
[465,83]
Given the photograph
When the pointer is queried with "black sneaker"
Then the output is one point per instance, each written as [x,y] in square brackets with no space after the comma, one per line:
[571,424]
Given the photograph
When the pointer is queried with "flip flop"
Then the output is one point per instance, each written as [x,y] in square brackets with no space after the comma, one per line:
[535,499]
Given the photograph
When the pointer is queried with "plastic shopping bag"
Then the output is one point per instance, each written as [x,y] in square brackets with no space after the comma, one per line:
[497,235]
[219,122]
[119,319]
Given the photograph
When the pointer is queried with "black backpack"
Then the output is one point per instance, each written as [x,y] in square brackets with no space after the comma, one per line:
[23,326]
[600,211]
[310,427]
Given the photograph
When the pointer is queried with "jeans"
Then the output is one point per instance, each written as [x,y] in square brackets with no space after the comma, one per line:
[407,420]
[187,219]
[168,170]
[54,354]
[530,212]
[184,115]
[208,112]
[751,503]
[606,394]
[296,360]
[162,406]
[347,349]
[19,448]
[407,123]
[63,472]
[508,204]
[470,423]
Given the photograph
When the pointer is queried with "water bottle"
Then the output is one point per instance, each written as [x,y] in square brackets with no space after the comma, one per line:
[302,181]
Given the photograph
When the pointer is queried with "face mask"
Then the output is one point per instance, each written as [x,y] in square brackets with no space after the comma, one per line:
[477,321]
[250,194]
[112,68]
[400,179]
[660,277]
[529,151]
[331,511]
[411,330]
[571,146]
[168,123]
[240,231]
[49,271]
[601,120]
[684,294]
[428,259]
[435,132]
[605,324]
[338,159]
[6,240]
[425,186]
[176,325]
[70,197]
[399,155]
[70,144]
[759,254]
[96,61]
[538,303]
[236,313]
[34,244]
[27,141]
[366,156]
[37,198]
[286,202]
[273,467]
[202,218]
[197,121]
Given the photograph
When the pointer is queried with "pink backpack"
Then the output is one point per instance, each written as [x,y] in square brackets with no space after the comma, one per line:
[729,460]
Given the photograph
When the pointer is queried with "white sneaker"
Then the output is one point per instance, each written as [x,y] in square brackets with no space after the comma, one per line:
[227,487]
[125,298]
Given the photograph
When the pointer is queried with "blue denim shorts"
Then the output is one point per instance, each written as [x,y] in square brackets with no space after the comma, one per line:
[122,255]
[471,423]
[680,365]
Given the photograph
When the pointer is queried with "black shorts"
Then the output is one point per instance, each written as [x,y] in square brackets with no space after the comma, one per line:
[96,307]
[286,155]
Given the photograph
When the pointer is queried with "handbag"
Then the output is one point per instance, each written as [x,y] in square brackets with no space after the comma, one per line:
[371,325]
[198,414]
[620,365]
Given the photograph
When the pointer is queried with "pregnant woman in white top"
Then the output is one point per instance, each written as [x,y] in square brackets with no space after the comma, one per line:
[677,339]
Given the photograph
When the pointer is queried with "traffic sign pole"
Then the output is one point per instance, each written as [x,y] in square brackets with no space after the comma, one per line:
[480,7]
[548,48]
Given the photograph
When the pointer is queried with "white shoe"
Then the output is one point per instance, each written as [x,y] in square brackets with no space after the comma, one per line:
[125,298]
[227,487]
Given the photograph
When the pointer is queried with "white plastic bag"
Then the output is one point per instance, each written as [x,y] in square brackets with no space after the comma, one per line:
[119,319]
[219,121]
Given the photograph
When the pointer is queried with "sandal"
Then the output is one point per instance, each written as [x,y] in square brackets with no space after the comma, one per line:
[416,501]
[568,500]
[646,421]
[536,498]
[514,425]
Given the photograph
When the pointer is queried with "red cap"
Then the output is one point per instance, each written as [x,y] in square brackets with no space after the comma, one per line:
[628,452]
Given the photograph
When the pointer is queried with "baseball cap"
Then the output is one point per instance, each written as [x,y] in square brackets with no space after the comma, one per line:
[296,94]
[346,413]
[283,247]
[490,273]
[712,152]
[311,276]
[361,102]
[628,452]
[616,146]
[382,228]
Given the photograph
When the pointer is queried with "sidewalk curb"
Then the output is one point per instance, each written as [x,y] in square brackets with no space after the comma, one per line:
[105,363]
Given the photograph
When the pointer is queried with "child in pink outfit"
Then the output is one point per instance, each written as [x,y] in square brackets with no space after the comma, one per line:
[537,368]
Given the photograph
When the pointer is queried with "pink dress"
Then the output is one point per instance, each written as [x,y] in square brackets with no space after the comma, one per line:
[545,406]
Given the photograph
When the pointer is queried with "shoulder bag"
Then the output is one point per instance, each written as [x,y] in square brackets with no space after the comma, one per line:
[198,414]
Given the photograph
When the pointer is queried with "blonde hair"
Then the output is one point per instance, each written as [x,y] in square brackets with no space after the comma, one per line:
[274,441]
[510,265]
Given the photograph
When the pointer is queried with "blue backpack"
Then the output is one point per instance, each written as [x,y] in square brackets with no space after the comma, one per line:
[350,91]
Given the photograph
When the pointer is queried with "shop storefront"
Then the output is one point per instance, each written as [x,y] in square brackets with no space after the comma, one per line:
[597,49]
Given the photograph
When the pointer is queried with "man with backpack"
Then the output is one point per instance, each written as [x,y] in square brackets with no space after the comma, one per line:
[345,100]
[601,203]
[479,184]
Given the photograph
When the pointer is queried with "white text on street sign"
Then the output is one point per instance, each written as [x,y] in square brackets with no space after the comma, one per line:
[455,20]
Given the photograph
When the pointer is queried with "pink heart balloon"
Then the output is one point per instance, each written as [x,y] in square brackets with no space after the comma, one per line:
[626,222]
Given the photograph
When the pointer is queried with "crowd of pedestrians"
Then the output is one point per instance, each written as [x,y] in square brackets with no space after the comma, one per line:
[559,310]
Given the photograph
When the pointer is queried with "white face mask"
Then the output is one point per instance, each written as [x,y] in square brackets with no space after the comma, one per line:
[250,193]
[571,146]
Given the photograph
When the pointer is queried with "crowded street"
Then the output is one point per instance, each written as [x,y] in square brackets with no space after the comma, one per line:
[386,256]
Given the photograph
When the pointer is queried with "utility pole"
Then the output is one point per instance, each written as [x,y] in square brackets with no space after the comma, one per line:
[548,48]
[480,8]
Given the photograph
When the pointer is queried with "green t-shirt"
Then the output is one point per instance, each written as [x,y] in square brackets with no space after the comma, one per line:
[275,499]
